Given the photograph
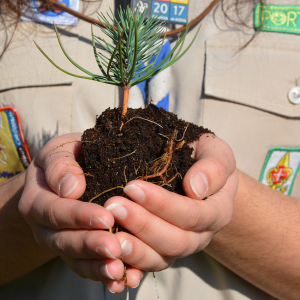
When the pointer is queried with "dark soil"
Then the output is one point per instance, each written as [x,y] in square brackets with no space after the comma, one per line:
[112,157]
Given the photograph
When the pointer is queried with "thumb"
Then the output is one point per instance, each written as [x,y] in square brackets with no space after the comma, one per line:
[62,172]
[215,163]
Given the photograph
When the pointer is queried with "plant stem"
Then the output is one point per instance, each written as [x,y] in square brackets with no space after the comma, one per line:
[125,100]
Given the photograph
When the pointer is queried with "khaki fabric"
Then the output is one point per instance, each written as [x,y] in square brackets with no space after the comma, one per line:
[50,102]
[239,94]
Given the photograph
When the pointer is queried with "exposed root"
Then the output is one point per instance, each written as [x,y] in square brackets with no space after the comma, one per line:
[175,177]
[125,174]
[136,170]
[163,135]
[72,164]
[70,143]
[174,166]
[116,187]
[114,229]
[141,119]
[183,133]
[165,160]
[178,146]
[86,174]
[127,294]
[122,156]
[124,278]
[156,286]
[169,154]
[159,162]
[159,158]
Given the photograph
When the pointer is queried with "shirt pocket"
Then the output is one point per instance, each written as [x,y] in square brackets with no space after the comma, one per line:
[259,75]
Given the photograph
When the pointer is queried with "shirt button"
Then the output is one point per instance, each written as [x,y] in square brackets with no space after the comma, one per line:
[294,95]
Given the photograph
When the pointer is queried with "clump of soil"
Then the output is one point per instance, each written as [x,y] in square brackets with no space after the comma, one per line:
[152,144]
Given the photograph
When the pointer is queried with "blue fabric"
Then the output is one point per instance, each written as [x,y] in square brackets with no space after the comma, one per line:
[165,50]
[143,86]
[164,103]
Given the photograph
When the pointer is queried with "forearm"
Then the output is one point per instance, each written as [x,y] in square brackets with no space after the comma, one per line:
[19,253]
[261,243]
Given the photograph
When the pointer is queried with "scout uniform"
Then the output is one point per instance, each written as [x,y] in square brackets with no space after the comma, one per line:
[249,97]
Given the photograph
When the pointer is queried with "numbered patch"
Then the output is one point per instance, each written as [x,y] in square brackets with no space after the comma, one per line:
[281,168]
[171,11]
[161,9]
[178,13]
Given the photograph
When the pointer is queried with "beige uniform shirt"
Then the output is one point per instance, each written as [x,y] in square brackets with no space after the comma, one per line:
[239,94]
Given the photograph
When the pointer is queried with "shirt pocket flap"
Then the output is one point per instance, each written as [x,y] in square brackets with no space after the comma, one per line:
[259,75]
[23,65]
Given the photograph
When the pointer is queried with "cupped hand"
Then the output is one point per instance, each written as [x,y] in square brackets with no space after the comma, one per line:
[72,229]
[166,226]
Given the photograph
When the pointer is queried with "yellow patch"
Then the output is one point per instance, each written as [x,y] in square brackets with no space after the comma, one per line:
[14,157]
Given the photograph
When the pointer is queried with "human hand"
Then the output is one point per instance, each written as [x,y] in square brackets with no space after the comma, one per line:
[165,225]
[72,229]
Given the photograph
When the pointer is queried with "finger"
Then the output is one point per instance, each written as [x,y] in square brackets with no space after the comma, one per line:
[133,278]
[103,270]
[169,206]
[80,244]
[222,202]
[48,209]
[109,272]
[138,254]
[58,160]
[215,163]
[115,286]
[181,211]
[165,238]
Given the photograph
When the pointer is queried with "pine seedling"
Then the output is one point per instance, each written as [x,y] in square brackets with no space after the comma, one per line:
[126,60]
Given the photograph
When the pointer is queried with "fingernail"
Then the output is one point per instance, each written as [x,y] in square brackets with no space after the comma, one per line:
[99,223]
[67,185]
[104,272]
[102,250]
[119,211]
[110,290]
[199,185]
[136,286]
[135,193]
[126,248]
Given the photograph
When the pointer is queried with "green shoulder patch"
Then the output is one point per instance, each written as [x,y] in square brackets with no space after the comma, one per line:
[277,18]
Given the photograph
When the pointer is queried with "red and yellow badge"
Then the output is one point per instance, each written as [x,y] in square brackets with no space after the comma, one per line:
[281,168]
[14,155]
[279,175]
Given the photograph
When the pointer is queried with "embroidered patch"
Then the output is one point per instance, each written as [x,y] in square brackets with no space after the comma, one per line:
[277,18]
[170,11]
[14,155]
[280,169]
[39,14]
